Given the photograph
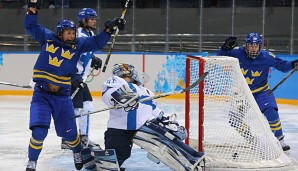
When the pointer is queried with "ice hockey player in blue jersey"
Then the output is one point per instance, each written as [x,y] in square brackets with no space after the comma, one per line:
[125,89]
[255,64]
[53,71]
[82,100]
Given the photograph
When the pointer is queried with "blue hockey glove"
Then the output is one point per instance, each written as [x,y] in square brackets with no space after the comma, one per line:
[34,3]
[112,24]
[230,43]
[96,63]
[295,63]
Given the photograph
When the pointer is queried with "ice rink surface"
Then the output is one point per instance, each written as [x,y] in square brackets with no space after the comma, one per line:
[15,135]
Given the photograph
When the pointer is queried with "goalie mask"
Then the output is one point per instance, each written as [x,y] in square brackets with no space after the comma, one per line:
[126,70]
[253,44]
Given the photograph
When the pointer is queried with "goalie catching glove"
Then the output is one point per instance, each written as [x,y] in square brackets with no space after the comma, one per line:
[125,98]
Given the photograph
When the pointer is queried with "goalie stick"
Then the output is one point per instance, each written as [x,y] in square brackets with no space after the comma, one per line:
[114,38]
[16,85]
[283,80]
[151,97]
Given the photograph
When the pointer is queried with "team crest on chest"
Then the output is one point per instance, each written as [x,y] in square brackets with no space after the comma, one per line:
[51,48]
[66,54]
[55,61]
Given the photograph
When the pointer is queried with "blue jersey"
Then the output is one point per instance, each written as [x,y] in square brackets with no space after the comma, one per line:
[56,63]
[256,70]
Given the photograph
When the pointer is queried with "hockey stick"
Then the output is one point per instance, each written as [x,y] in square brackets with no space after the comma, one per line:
[114,38]
[149,98]
[16,85]
[283,80]
[78,88]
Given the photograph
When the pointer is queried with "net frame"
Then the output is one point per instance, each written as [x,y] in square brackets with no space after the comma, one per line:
[195,67]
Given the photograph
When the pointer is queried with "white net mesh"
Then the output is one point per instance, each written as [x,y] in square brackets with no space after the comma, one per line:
[236,134]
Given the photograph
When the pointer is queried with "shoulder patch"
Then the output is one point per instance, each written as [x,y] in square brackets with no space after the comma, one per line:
[271,54]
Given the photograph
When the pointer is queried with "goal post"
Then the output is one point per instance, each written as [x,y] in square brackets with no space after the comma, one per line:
[224,121]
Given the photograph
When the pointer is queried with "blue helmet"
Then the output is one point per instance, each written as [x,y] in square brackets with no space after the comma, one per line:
[86,13]
[63,25]
[253,39]
[126,70]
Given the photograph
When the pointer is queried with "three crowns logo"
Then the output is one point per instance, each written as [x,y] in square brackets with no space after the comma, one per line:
[54,61]
[256,74]
[249,81]
[66,54]
[51,48]
[244,72]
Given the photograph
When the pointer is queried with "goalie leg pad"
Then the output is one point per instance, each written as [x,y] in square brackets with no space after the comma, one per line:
[106,160]
[152,158]
[168,148]
[88,159]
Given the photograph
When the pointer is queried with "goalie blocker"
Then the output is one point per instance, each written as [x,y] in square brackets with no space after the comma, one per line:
[164,144]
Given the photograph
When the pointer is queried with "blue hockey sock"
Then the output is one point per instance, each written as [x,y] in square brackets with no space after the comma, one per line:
[74,142]
[274,121]
[36,142]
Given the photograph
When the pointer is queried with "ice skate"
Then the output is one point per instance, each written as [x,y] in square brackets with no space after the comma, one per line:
[285,147]
[64,145]
[86,142]
[78,161]
[31,165]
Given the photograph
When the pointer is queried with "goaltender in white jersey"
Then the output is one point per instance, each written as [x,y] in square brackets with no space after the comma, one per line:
[128,120]
[131,123]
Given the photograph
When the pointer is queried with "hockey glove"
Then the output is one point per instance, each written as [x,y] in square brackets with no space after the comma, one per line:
[96,63]
[112,24]
[172,125]
[230,43]
[169,121]
[125,98]
[34,3]
[78,83]
[295,63]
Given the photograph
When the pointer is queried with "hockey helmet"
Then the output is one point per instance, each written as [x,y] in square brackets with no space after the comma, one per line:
[253,39]
[64,25]
[126,70]
[86,13]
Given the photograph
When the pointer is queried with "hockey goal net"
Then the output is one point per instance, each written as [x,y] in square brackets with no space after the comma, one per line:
[224,121]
